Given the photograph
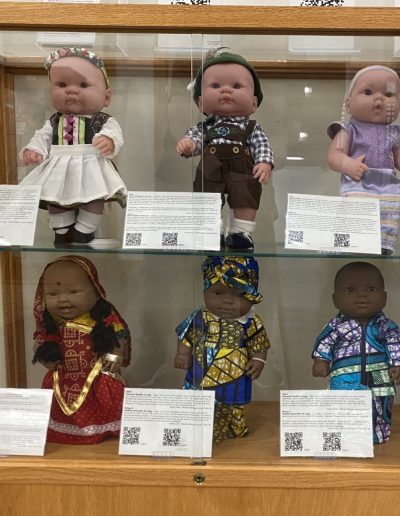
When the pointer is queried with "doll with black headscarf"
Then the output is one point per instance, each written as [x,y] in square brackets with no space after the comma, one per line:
[83,341]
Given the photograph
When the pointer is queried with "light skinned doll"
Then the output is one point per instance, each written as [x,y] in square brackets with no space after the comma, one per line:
[72,152]
[236,157]
[366,149]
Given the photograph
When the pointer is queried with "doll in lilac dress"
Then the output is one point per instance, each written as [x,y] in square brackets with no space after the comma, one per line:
[366,149]
[360,347]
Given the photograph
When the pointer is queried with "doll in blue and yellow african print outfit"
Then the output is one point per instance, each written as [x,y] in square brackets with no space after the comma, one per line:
[223,345]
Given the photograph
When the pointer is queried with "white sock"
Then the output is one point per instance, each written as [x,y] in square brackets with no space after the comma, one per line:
[60,222]
[241,226]
[87,222]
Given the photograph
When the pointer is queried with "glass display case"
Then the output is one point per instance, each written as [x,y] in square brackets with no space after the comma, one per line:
[304,58]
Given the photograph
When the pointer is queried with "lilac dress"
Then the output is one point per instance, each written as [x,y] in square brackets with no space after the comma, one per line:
[376,142]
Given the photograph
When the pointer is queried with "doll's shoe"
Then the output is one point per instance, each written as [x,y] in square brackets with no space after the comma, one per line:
[222,241]
[240,241]
[62,239]
[386,252]
[82,238]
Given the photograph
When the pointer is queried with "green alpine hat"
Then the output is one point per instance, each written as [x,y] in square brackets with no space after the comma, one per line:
[226,57]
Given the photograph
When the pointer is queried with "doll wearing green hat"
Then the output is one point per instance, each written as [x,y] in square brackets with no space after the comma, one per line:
[236,155]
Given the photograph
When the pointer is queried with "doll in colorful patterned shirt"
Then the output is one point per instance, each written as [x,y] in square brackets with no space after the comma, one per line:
[236,155]
[73,150]
[360,347]
[366,149]
[83,341]
[223,345]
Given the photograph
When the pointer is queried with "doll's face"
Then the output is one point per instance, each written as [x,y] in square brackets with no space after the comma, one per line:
[359,293]
[375,97]
[226,302]
[77,87]
[227,90]
[68,291]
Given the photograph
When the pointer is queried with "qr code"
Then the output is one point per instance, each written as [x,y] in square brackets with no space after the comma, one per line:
[332,441]
[172,437]
[293,441]
[169,239]
[131,434]
[322,3]
[341,239]
[191,2]
[295,236]
[133,239]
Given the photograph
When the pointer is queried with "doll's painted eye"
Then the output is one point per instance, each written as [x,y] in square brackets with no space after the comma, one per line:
[74,291]
[61,84]
[236,86]
[84,85]
[349,290]
[372,289]
[367,92]
[389,94]
[215,85]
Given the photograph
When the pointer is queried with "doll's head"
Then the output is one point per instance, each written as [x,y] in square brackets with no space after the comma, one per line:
[79,83]
[230,285]
[68,288]
[374,95]
[359,291]
[227,85]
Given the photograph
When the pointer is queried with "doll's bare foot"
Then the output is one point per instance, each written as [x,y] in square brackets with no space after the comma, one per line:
[240,241]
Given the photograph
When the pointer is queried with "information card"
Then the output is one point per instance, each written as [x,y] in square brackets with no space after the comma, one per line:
[18,212]
[167,423]
[24,418]
[333,224]
[326,423]
[172,220]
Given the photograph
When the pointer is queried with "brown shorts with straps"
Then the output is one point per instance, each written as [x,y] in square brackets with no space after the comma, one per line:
[228,169]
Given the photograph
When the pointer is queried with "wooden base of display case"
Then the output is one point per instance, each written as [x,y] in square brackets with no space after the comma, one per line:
[244,476]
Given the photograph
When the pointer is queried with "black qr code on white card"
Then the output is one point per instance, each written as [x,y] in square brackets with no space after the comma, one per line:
[332,441]
[341,240]
[293,441]
[131,434]
[133,239]
[322,3]
[172,436]
[169,239]
[191,2]
[295,237]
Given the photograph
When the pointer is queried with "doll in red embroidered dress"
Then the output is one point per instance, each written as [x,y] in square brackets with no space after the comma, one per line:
[83,341]
[73,150]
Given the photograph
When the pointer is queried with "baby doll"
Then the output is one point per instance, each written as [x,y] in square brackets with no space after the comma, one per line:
[360,347]
[83,341]
[366,149]
[223,345]
[236,156]
[73,148]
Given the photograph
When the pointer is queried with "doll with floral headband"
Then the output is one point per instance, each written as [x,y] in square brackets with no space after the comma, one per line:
[83,341]
[236,155]
[223,345]
[366,149]
[73,149]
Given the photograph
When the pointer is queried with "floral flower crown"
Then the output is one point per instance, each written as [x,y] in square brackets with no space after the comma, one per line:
[84,53]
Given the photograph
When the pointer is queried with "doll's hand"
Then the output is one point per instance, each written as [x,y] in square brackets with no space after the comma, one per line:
[182,361]
[394,373]
[355,168]
[262,172]
[30,156]
[254,368]
[321,368]
[104,144]
[186,147]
